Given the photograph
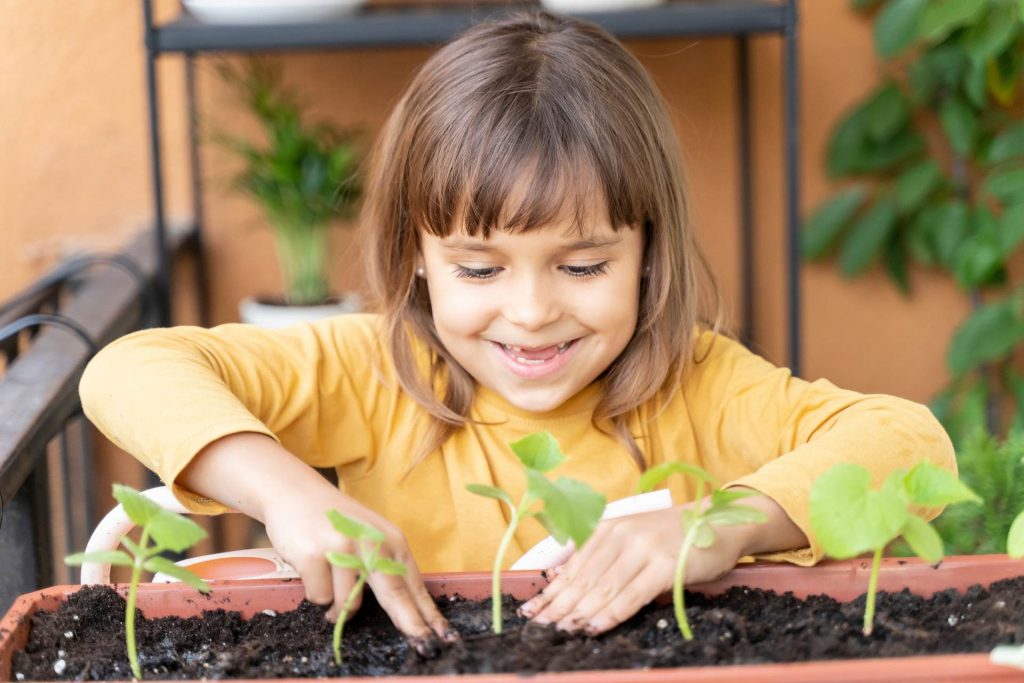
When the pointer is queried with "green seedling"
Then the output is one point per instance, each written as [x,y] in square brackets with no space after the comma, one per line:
[170,531]
[368,539]
[699,524]
[850,518]
[569,510]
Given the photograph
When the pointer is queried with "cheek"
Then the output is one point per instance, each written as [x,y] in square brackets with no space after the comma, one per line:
[457,309]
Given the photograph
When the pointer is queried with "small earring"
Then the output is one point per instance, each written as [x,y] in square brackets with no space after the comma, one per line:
[647,269]
[421,272]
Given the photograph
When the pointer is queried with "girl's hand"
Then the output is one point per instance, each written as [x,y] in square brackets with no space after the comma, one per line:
[631,560]
[253,474]
[301,532]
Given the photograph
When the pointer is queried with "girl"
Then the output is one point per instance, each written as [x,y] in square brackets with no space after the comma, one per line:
[530,250]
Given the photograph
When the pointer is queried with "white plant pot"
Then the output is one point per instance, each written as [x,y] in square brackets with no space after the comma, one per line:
[273,316]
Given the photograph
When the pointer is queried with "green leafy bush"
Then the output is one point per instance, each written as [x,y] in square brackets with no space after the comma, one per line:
[303,175]
[993,469]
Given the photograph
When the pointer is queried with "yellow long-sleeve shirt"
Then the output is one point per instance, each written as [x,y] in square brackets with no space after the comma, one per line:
[328,393]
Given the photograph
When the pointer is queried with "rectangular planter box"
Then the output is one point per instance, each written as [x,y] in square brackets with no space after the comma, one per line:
[842,580]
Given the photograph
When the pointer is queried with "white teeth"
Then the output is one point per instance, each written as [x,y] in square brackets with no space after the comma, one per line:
[515,352]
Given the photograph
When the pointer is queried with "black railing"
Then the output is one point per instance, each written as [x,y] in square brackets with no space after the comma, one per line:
[48,332]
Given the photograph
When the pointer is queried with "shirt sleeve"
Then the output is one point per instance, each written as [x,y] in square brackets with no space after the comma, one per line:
[786,432]
[164,394]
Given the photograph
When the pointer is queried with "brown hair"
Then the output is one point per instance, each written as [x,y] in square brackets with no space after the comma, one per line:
[561,105]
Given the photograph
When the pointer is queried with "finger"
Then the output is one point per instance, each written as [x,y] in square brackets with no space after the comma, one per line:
[628,601]
[317,579]
[622,572]
[577,580]
[396,599]
[343,580]
[562,573]
[426,605]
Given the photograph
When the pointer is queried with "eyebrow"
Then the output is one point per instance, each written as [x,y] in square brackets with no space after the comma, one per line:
[461,244]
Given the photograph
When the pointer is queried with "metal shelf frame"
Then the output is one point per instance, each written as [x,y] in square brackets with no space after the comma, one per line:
[428,26]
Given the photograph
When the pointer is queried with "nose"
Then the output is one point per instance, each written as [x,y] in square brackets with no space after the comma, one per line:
[532,303]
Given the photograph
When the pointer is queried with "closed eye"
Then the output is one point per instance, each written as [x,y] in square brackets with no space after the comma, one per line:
[476,273]
[586,271]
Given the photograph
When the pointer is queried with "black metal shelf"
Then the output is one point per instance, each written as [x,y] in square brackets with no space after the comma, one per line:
[391,27]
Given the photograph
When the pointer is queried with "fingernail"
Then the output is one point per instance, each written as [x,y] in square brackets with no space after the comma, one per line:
[428,647]
[542,620]
[452,636]
[526,610]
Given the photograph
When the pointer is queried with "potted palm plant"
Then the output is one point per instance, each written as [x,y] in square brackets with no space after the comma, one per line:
[303,175]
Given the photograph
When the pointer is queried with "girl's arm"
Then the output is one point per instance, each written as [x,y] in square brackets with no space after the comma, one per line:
[255,475]
[631,560]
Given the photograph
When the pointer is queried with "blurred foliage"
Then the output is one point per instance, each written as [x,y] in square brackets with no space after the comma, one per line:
[302,175]
[993,469]
[933,157]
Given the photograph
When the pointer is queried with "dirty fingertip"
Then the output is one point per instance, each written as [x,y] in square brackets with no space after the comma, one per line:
[428,647]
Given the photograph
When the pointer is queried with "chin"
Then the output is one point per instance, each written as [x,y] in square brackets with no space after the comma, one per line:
[536,402]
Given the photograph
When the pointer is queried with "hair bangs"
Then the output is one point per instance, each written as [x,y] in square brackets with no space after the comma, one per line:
[521,170]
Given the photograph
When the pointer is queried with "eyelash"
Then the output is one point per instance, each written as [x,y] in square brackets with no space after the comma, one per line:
[571,271]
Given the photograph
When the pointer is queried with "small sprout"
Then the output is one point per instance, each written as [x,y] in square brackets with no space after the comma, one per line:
[723,511]
[849,518]
[369,539]
[170,531]
[570,511]
[1012,655]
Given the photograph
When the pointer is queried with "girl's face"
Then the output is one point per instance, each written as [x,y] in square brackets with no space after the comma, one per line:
[535,316]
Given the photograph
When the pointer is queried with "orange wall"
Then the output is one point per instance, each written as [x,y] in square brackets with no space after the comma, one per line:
[75,172]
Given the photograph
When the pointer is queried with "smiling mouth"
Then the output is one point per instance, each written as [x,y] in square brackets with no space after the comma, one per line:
[539,355]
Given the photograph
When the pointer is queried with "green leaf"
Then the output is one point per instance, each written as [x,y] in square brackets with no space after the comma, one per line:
[990,36]
[490,492]
[886,156]
[991,333]
[539,451]
[828,221]
[115,557]
[1015,539]
[353,528]
[886,113]
[723,498]
[388,566]
[1005,184]
[165,566]
[735,514]
[659,473]
[915,185]
[346,560]
[896,26]
[848,517]
[1011,228]
[960,124]
[865,239]
[952,221]
[1009,144]
[571,508]
[976,85]
[138,508]
[978,261]
[895,260]
[1002,75]
[942,17]
[923,539]
[174,532]
[932,486]
[132,546]
[844,148]
[704,536]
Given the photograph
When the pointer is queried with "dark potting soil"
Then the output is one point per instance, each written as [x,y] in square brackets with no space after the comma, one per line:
[84,638]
